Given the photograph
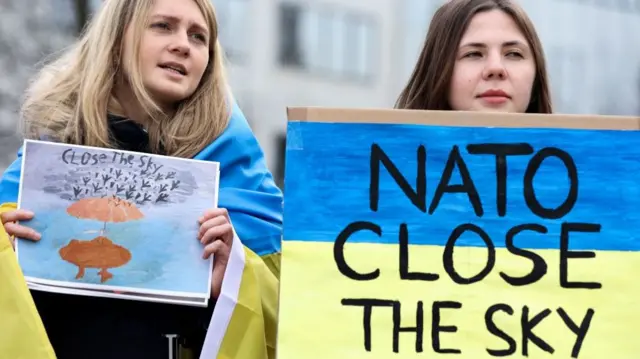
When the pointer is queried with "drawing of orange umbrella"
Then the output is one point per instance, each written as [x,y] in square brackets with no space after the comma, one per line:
[106,209]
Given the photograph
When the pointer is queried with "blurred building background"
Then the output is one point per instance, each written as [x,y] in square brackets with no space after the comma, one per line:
[344,53]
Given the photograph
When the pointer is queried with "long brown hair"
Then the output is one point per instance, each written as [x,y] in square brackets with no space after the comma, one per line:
[429,83]
[68,100]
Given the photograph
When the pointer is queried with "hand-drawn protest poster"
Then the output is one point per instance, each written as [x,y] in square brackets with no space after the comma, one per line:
[116,223]
[415,234]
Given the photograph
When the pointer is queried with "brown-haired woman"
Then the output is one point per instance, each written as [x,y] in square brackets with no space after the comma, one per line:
[479,55]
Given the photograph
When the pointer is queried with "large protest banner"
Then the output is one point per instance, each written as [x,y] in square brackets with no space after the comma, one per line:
[414,234]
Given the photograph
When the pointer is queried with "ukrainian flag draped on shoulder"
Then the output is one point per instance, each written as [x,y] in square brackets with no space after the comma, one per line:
[243,323]
[22,334]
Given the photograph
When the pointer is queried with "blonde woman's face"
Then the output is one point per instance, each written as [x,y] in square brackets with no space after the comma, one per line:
[494,68]
[174,50]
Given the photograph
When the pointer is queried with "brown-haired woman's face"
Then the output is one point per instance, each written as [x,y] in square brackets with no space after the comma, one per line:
[494,68]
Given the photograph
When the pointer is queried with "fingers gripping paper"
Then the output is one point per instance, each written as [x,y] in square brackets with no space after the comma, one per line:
[429,235]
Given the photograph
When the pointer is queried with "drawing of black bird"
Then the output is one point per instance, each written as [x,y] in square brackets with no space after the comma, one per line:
[129,195]
[105,179]
[145,199]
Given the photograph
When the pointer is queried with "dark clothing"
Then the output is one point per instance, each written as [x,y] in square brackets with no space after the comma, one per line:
[105,328]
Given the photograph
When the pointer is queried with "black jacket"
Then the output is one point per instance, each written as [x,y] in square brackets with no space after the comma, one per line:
[104,328]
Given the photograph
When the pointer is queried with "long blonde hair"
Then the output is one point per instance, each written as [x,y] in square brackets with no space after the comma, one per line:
[69,99]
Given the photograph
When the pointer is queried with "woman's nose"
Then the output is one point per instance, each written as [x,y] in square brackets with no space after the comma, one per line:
[494,68]
[180,43]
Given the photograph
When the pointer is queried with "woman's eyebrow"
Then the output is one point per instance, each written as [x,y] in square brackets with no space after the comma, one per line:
[504,44]
[173,18]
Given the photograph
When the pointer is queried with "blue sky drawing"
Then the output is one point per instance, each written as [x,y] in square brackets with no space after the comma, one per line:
[166,254]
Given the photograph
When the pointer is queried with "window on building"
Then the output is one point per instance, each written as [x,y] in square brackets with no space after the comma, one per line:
[327,41]
[233,31]
[365,46]
[290,53]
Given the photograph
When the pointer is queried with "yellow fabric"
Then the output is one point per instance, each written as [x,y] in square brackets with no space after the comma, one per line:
[251,333]
[22,334]
[273,262]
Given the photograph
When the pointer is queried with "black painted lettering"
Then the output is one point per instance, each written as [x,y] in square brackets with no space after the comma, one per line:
[527,331]
[418,329]
[73,159]
[66,154]
[417,197]
[96,159]
[447,256]
[580,332]
[130,159]
[566,254]
[367,306]
[144,162]
[156,167]
[501,151]
[539,265]
[529,192]
[85,158]
[467,186]
[338,250]
[124,160]
[493,329]
[436,328]
[404,259]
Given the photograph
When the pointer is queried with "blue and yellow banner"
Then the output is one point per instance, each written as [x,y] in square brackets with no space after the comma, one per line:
[412,234]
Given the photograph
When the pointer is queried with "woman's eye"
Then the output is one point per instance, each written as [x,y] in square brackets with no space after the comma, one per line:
[200,37]
[160,25]
[472,54]
[515,54]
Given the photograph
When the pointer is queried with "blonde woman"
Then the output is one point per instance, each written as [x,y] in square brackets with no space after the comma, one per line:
[147,76]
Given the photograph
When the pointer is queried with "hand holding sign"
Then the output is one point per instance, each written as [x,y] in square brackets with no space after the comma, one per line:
[10,222]
[216,233]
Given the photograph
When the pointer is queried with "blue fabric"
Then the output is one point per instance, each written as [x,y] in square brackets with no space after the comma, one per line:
[247,188]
